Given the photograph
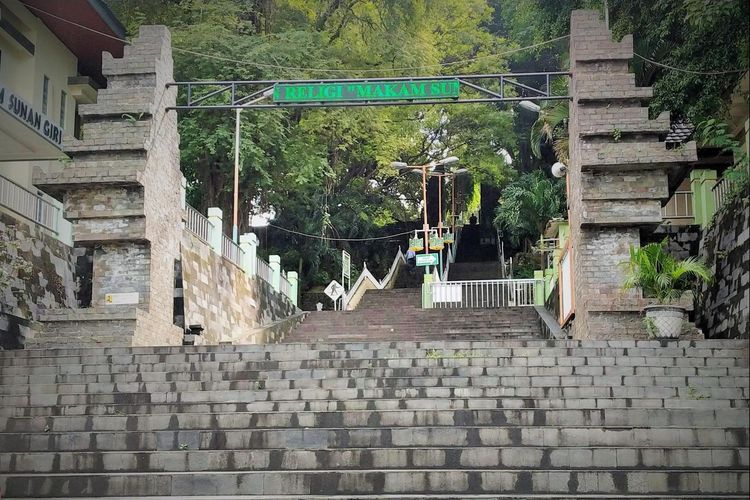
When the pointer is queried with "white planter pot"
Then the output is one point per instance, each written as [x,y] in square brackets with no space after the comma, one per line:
[668,320]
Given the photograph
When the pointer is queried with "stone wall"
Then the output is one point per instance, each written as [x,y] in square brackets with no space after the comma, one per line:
[617,176]
[723,306]
[219,296]
[682,241]
[48,284]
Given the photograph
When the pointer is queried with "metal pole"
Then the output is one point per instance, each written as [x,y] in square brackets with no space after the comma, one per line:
[235,228]
[453,204]
[425,224]
[440,206]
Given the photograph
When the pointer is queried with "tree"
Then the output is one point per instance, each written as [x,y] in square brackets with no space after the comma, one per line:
[696,35]
[527,204]
[551,127]
[327,172]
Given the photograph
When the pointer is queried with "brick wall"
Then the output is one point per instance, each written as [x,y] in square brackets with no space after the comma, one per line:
[617,177]
[219,296]
[723,306]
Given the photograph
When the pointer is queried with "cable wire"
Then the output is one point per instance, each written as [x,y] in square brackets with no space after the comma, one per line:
[690,71]
[326,238]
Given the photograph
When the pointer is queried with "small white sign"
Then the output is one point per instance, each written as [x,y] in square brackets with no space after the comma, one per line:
[121,298]
[346,262]
[334,290]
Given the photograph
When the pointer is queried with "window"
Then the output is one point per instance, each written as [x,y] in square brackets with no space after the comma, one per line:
[63,99]
[45,94]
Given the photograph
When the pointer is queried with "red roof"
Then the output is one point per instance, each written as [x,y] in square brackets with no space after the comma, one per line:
[58,16]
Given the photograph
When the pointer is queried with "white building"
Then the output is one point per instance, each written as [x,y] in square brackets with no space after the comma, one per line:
[49,64]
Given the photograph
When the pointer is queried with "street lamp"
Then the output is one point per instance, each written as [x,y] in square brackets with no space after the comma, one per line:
[529,106]
[399,165]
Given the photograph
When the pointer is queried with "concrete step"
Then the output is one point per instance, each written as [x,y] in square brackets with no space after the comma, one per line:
[645,396]
[670,347]
[428,360]
[17,384]
[697,387]
[373,399]
[521,418]
[631,417]
[376,437]
[436,350]
[511,457]
[343,484]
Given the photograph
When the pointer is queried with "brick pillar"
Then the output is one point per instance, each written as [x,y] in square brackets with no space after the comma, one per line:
[617,176]
[122,192]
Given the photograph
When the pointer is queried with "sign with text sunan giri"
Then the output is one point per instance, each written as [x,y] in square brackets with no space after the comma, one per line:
[397,90]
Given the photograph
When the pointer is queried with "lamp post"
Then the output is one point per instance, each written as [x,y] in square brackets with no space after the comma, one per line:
[424,168]
[452,174]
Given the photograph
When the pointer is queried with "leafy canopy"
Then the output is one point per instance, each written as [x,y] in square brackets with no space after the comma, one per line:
[527,204]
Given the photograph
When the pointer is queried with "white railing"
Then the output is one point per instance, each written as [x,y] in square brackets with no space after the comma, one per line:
[28,204]
[723,188]
[284,286]
[484,293]
[197,223]
[264,270]
[231,251]
[679,206]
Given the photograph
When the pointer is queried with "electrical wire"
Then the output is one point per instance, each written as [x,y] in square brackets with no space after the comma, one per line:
[371,70]
[300,68]
[326,238]
[690,71]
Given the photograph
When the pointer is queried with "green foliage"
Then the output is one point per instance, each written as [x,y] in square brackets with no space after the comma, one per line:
[697,35]
[527,204]
[659,275]
[551,126]
[651,329]
[326,172]
[524,265]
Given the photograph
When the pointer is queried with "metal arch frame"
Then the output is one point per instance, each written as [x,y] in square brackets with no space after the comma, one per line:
[249,94]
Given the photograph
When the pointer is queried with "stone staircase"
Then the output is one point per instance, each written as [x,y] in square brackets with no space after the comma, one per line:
[471,271]
[397,315]
[442,419]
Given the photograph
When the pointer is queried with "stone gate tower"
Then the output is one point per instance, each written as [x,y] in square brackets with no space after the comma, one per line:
[618,176]
[122,193]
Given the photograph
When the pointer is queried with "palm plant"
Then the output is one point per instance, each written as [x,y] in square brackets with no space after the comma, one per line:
[659,275]
[551,126]
[527,204]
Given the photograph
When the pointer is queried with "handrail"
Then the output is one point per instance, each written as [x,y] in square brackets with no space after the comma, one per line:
[284,286]
[231,251]
[197,223]
[264,270]
[484,293]
[366,275]
[722,190]
[679,206]
[28,204]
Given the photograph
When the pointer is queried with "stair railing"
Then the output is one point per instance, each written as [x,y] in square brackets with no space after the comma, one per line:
[485,294]
[367,281]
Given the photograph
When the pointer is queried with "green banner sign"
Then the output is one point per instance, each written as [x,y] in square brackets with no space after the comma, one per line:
[427,259]
[366,91]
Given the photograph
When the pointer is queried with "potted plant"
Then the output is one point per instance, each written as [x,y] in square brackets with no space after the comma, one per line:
[662,277]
